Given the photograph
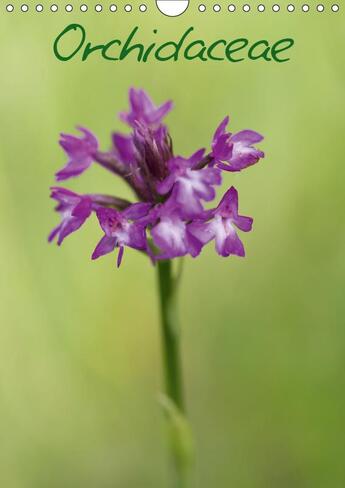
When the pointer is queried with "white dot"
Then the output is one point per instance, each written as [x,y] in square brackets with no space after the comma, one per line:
[9,8]
[261,7]
[246,8]
[291,8]
[83,7]
[276,7]
[202,8]
[113,8]
[128,8]
[98,7]
[335,8]
[54,8]
[142,7]
[217,7]
[24,8]
[69,7]
[320,8]
[231,8]
[305,8]
[39,8]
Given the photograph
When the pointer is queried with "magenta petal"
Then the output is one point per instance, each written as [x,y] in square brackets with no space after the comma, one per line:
[63,194]
[244,223]
[220,240]
[166,185]
[124,148]
[209,177]
[222,148]
[108,219]
[69,226]
[136,237]
[105,246]
[72,170]
[54,233]
[169,236]
[187,200]
[228,206]
[194,244]
[203,231]
[248,137]
[221,128]
[83,209]
[137,210]
[137,98]
[234,246]
[244,156]
[196,157]
[228,167]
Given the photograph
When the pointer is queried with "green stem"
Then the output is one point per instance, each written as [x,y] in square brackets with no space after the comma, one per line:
[170,333]
[171,357]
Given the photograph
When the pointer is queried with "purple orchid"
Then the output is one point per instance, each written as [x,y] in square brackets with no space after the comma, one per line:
[222,226]
[190,185]
[171,233]
[169,219]
[234,152]
[74,210]
[120,230]
[143,110]
[81,152]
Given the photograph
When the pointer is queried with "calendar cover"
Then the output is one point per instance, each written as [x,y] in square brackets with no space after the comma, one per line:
[172,244]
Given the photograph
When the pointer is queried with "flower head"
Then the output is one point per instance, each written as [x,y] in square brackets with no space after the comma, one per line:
[234,152]
[168,219]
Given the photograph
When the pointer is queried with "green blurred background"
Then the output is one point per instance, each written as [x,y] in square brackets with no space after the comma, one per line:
[263,337]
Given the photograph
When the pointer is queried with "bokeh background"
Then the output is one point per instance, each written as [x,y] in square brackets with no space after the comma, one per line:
[263,337]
